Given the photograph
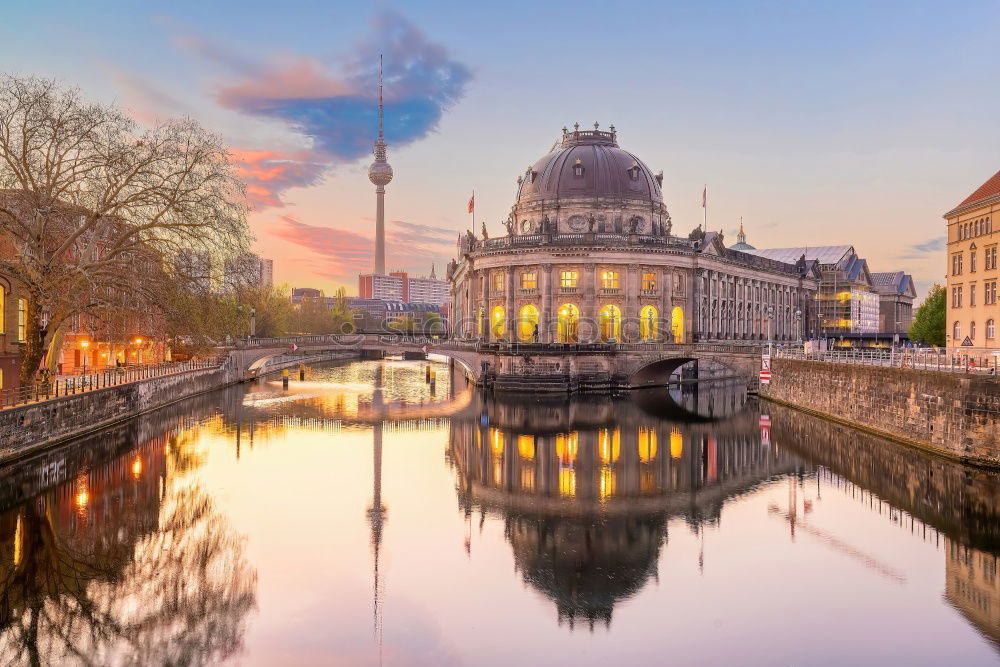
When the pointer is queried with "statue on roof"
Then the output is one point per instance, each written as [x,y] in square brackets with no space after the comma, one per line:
[591,221]
[697,233]
[486,234]
[510,225]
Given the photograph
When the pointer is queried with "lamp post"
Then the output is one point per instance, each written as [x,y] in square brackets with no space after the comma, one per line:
[770,319]
[798,324]
[84,344]
[138,348]
[253,321]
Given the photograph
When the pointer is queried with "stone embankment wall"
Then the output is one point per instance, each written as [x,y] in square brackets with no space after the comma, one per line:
[952,414]
[30,428]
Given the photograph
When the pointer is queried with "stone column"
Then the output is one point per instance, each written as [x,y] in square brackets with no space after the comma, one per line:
[588,310]
[631,313]
[666,284]
[510,316]
[545,316]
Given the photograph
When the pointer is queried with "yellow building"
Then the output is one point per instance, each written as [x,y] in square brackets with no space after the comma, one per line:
[973,310]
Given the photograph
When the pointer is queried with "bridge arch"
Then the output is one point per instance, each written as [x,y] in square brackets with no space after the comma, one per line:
[655,370]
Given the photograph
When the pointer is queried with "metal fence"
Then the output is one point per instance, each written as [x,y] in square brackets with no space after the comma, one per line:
[927,360]
[110,377]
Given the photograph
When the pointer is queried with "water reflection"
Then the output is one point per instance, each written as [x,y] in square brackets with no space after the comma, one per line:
[144,544]
[586,487]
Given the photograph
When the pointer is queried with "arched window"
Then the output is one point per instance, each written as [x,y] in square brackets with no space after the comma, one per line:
[991,331]
[677,324]
[497,327]
[649,324]
[567,323]
[609,444]
[527,327]
[611,323]
[956,332]
[972,331]
[647,444]
[3,308]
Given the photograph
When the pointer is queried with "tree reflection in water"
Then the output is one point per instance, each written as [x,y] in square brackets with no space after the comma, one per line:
[103,570]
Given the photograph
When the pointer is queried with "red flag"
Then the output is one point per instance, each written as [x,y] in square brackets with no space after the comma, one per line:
[472,202]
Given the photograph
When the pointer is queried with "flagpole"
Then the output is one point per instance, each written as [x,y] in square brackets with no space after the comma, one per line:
[704,205]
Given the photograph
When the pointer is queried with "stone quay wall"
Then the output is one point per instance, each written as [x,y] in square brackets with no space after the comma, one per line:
[27,429]
[950,414]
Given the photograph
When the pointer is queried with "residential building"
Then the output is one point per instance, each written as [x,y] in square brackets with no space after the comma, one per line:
[13,311]
[248,270]
[300,293]
[385,287]
[972,272]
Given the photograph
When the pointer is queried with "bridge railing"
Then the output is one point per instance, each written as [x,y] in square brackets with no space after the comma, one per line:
[106,377]
[926,360]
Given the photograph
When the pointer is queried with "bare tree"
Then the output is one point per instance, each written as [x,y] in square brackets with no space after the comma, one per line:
[94,210]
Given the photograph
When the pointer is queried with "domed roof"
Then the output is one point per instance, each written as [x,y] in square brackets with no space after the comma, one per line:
[588,164]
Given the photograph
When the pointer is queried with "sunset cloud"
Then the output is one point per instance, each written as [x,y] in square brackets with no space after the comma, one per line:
[411,247]
[268,173]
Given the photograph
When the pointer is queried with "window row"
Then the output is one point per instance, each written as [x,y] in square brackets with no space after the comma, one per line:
[978,227]
[609,280]
[568,320]
[991,330]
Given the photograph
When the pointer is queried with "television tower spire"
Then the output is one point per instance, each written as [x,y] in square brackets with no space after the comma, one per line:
[380,173]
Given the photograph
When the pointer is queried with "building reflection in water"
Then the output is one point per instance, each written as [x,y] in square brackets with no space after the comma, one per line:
[971,586]
[107,561]
[586,487]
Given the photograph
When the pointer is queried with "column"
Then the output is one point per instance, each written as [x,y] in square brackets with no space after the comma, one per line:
[588,310]
[545,316]
[510,317]
[666,284]
[631,312]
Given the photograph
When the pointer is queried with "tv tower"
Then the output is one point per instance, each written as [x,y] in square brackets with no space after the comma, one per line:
[380,173]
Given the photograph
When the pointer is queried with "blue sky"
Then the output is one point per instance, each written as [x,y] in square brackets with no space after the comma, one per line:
[818,124]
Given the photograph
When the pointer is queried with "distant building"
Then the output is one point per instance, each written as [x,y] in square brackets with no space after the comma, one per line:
[896,293]
[399,286]
[847,302]
[972,269]
[373,314]
[300,293]
[248,270]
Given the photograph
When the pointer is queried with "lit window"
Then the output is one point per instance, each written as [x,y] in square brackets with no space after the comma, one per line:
[609,280]
[498,282]
[3,306]
[22,319]
[567,278]
[649,281]
[526,447]
[529,280]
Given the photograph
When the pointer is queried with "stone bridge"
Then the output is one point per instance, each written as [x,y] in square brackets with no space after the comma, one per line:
[523,366]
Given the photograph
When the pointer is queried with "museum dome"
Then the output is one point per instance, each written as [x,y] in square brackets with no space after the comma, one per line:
[589,164]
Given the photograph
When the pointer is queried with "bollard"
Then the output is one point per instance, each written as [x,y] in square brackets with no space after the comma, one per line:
[302,372]
[284,379]
[427,373]
[433,380]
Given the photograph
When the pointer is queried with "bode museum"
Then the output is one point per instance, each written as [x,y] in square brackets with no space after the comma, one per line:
[590,254]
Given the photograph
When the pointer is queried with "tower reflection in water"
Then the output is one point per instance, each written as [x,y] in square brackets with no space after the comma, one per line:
[586,487]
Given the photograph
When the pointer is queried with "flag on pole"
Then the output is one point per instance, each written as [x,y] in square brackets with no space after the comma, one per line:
[472,202]
[704,197]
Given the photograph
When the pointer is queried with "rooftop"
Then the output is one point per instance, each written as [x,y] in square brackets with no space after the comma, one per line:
[987,190]
[831,254]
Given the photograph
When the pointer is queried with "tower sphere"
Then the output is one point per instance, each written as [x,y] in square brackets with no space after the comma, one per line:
[380,173]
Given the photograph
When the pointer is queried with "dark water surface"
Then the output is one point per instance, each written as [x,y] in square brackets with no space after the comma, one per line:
[359,518]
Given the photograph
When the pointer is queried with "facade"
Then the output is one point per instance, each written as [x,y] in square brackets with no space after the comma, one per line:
[589,255]
[847,302]
[249,270]
[372,314]
[300,293]
[973,311]
[399,286]
[896,293]
[13,308]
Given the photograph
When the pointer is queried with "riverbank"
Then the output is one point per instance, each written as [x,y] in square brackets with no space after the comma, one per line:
[947,414]
[28,429]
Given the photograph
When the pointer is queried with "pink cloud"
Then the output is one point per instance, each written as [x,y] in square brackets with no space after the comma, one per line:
[269,173]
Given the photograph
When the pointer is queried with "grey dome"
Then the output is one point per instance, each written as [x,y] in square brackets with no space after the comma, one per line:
[589,164]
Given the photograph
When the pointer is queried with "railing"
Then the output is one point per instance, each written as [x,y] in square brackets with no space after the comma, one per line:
[590,238]
[610,291]
[649,292]
[110,377]
[927,360]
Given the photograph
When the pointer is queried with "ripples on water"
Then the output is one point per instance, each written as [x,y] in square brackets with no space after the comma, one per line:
[360,517]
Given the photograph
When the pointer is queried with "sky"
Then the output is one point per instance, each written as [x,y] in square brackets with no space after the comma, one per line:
[816,123]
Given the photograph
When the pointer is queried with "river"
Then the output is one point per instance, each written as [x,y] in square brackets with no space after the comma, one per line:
[365,516]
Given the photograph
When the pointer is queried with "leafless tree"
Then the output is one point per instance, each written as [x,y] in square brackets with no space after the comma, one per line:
[95,210]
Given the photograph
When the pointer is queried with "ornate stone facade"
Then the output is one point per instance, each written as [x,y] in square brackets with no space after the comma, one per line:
[589,256]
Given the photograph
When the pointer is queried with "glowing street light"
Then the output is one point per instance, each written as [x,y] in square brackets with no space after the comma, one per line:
[84,344]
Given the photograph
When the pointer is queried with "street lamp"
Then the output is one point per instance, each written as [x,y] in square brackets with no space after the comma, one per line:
[138,347]
[84,344]
[770,319]
[253,321]
[798,324]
